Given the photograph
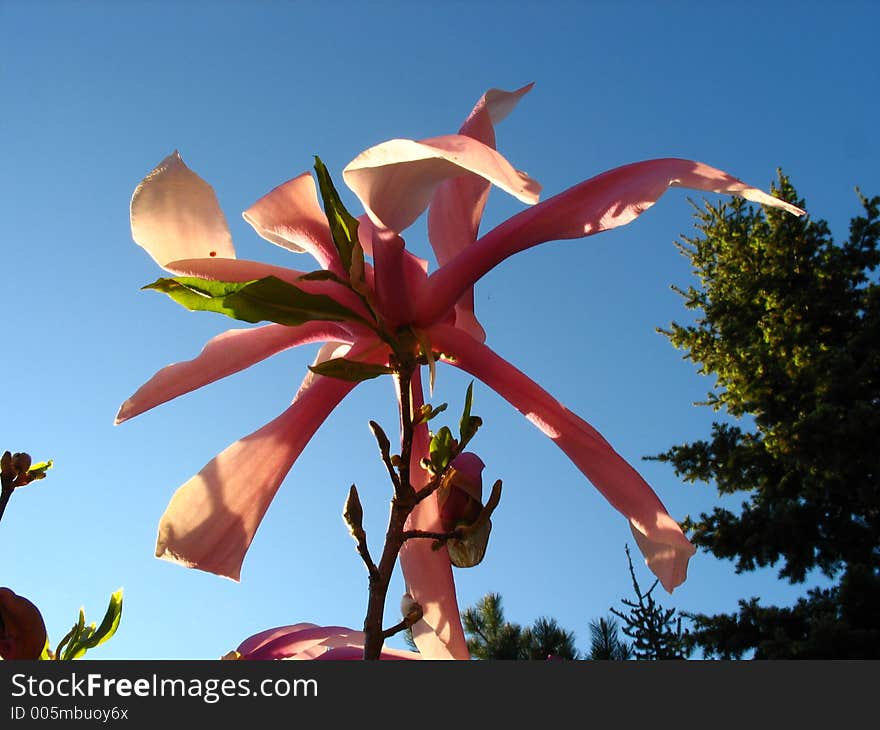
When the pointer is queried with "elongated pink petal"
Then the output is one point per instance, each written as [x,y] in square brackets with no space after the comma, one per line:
[310,641]
[225,354]
[175,215]
[352,653]
[427,572]
[252,643]
[299,644]
[211,520]
[243,270]
[395,180]
[291,217]
[457,206]
[397,274]
[664,546]
[607,201]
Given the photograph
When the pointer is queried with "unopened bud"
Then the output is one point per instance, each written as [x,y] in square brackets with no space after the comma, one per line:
[353,513]
[410,609]
[21,462]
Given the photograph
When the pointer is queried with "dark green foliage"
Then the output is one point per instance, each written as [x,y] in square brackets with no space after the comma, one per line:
[655,631]
[788,323]
[605,641]
[491,636]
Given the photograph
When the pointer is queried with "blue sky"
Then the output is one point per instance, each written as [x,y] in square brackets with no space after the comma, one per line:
[95,94]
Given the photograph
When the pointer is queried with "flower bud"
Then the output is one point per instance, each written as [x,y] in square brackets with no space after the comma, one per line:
[410,609]
[21,462]
[22,631]
[460,497]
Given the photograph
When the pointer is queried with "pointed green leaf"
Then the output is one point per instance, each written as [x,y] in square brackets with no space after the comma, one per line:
[440,449]
[321,275]
[351,370]
[109,624]
[269,299]
[427,412]
[76,632]
[464,424]
[343,225]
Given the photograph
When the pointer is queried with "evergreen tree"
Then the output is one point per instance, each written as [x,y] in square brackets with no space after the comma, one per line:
[491,636]
[605,641]
[788,323]
[545,639]
[655,631]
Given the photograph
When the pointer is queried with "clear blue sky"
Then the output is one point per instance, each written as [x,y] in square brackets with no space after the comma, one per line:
[94,94]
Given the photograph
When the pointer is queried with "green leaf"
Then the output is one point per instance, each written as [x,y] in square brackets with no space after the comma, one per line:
[469,424]
[109,623]
[351,370]
[321,275]
[38,470]
[269,299]
[427,412]
[466,414]
[343,225]
[75,633]
[440,449]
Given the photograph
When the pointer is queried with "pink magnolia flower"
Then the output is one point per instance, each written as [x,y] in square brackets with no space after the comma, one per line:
[310,641]
[213,517]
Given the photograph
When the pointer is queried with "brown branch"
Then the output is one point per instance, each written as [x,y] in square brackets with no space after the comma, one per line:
[5,494]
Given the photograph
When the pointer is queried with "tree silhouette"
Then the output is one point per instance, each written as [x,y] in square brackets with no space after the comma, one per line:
[491,636]
[655,631]
[788,323]
[605,641]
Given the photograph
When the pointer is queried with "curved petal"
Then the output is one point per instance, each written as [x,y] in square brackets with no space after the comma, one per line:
[308,643]
[351,653]
[252,643]
[244,270]
[395,180]
[290,216]
[662,542]
[457,206]
[175,215]
[427,572]
[607,201]
[211,520]
[225,354]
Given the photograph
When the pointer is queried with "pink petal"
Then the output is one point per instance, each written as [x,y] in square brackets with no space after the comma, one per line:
[607,201]
[239,270]
[395,180]
[211,520]
[397,274]
[469,474]
[300,643]
[228,353]
[252,643]
[457,206]
[662,542]
[175,215]
[427,572]
[352,653]
[291,217]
